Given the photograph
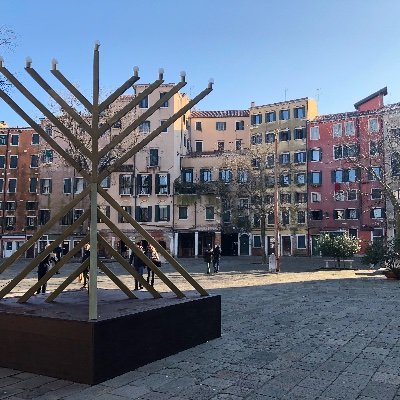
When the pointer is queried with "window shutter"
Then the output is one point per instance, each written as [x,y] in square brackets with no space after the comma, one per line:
[157,183]
[358,174]
[132,184]
[253,119]
[150,213]
[168,213]
[168,183]
[150,180]
[120,183]
[42,186]
[345,175]
[138,182]
[67,185]
[358,213]
[157,213]
[289,134]
[137,213]
[333,176]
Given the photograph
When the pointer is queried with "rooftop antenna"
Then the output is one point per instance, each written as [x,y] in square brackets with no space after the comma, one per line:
[317,94]
[285,93]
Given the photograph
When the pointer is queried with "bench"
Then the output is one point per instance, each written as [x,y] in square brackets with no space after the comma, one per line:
[344,261]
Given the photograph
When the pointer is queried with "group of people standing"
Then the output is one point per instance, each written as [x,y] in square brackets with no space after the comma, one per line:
[212,256]
[151,253]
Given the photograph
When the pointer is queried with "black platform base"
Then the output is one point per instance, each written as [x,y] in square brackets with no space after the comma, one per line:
[51,341]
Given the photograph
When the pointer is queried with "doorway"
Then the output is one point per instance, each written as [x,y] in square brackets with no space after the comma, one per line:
[244,244]
[286,246]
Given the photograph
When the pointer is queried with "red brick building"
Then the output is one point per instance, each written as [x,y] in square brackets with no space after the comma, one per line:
[19,162]
[345,157]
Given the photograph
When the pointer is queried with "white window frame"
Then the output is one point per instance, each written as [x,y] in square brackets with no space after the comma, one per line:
[381,212]
[297,242]
[337,129]
[339,210]
[205,213]
[314,133]
[347,131]
[376,198]
[317,196]
[316,149]
[352,190]
[370,125]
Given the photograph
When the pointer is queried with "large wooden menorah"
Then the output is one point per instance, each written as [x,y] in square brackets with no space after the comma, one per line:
[94,154]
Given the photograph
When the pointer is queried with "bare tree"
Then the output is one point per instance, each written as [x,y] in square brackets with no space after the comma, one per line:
[7,42]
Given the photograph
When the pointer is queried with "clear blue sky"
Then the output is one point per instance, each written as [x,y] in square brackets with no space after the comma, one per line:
[254,50]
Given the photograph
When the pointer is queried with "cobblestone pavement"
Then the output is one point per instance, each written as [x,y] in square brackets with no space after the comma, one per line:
[301,334]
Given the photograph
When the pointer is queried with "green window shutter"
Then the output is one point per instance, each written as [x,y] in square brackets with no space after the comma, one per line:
[150,184]
[157,183]
[137,213]
[157,213]
[168,182]
[150,213]
[138,181]
[168,212]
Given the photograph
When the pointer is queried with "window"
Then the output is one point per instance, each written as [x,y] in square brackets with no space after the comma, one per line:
[31,221]
[378,213]
[165,104]
[337,176]
[373,125]
[352,194]
[301,217]
[77,213]
[352,213]
[220,126]
[3,140]
[187,175]
[125,184]
[256,119]
[31,205]
[256,221]
[183,212]
[47,156]
[35,138]
[314,133]
[375,148]
[209,213]
[374,173]
[285,158]
[143,214]
[300,178]
[117,125]
[395,164]
[270,116]
[165,129]
[316,178]
[300,112]
[198,146]
[351,150]
[270,181]
[238,144]
[285,198]
[243,204]
[2,161]
[143,183]
[315,155]
[14,140]
[197,126]
[377,235]
[162,184]
[300,157]
[284,115]
[153,160]
[285,217]
[300,133]
[376,194]
[162,213]
[242,175]
[79,185]
[352,175]
[49,130]
[12,185]
[68,218]
[270,161]
[338,152]
[270,218]
[34,161]
[285,179]
[221,146]
[144,103]
[239,125]
[11,205]
[284,136]
[1,185]
[225,175]
[13,162]
[353,233]
[106,182]
[301,241]
[349,128]
[315,197]
[121,218]
[270,137]
[144,127]
[337,130]
[205,175]
[67,185]
[256,241]
[316,215]
[44,217]
[301,198]
[338,214]
[10,222]
[256,138]
[33,185]
[46,186]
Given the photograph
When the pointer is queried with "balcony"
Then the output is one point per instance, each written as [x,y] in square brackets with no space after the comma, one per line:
[199,188]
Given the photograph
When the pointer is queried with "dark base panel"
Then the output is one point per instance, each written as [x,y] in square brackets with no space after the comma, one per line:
[94,351]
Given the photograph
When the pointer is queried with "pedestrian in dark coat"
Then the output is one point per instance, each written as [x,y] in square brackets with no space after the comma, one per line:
[151,253]
[43,267]
[84,276]
[138,264]
[208,256]
[216,258]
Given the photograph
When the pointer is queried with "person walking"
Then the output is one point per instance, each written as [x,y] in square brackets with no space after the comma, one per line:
[138,265]
[152,254]
[216,258]
[58,252]
[84,275]
[43,267]
[208,256]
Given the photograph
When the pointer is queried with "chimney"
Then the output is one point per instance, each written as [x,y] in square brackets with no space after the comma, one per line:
[252,104]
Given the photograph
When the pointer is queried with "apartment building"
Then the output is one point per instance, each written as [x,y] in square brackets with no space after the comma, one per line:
[283,128]
[345,164]
[19,162]
[213,135]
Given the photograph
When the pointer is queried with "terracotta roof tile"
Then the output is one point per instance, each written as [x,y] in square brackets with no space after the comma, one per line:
[220,114]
